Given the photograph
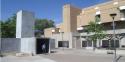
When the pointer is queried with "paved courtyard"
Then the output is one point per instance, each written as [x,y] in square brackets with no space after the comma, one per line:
[64,56]
[81,56]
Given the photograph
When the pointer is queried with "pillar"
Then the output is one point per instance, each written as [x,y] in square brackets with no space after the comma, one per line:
[25,31]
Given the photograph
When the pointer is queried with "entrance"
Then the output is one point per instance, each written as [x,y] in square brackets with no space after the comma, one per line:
[42,45]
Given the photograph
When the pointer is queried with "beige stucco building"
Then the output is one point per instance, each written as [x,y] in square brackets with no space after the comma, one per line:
[70,33]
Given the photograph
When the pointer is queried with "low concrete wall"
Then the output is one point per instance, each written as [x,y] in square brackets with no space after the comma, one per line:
[10,44]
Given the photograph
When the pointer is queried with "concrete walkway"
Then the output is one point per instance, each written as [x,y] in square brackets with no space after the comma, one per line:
[25,59]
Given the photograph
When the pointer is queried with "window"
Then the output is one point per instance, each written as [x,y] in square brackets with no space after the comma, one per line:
[122,12]
[107,44]
[84,43]
[63,44]
[97,18]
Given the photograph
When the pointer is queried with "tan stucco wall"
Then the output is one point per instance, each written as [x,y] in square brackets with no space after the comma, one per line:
[48,32]
[70,18]
[74,17]
[88,14]
[60,26]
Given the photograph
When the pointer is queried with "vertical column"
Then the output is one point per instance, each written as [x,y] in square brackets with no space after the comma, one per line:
[25,31]
[25,24]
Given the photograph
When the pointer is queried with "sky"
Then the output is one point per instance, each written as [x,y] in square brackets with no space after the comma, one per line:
[44,9]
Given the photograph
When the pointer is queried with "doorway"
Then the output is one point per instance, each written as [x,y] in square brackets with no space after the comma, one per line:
[42,45]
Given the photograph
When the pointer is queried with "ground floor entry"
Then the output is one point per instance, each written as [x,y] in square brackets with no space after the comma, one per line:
[42,45]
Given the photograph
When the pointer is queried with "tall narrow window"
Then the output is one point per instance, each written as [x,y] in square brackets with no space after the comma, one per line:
[98,18]
[122,13]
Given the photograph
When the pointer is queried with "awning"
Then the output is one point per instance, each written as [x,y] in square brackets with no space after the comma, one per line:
[122,7]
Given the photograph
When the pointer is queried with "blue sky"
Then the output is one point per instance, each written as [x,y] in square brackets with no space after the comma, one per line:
[49,9]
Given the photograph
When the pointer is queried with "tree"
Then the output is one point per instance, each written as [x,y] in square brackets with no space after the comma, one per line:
[8,27]
[0,27]
[97,30]
[41,24]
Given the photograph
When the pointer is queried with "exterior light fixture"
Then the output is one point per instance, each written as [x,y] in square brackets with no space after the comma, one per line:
[80,28]
[59,30]
[53,30]
[113,15]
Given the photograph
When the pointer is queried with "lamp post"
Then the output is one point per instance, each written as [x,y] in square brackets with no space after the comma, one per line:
[99,40]
[97,22]
[113,25]
[81,29]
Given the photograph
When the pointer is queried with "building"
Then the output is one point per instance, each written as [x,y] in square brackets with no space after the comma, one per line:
[70,33]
